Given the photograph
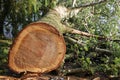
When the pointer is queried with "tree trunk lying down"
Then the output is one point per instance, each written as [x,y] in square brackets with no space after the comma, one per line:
[39,47]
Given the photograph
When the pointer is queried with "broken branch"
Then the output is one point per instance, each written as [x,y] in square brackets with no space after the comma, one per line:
[75,41]
[75,10]
[89,4]
[82,44]
[74,31]
[75,70]
[74,3]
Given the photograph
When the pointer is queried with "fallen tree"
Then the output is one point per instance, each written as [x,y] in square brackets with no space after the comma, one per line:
[40,46]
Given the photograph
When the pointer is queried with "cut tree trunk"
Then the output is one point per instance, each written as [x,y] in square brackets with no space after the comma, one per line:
[39,47]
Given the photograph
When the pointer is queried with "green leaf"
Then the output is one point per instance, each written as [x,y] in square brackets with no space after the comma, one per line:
[85,48]
[46,3]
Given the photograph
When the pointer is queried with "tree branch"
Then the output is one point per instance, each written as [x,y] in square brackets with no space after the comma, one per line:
[82,44]
[102,50]
[73,3]
[75,70]
[74,31]
[74,10]
[90,4]
[75,41]
[6,42]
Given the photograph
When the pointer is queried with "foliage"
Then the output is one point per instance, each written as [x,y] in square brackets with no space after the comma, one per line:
[22,12]
[4,49]
[101,19]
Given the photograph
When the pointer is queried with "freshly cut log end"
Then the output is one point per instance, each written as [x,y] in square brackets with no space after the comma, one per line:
[38,48]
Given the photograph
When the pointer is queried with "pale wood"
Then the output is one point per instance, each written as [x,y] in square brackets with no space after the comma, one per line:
[38,48]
